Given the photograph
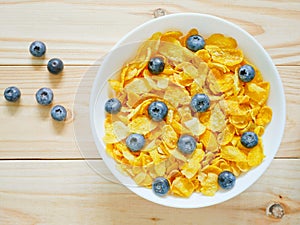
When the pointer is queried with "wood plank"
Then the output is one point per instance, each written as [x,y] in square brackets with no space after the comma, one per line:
[81,32]
[49,139]
[69,192]
[291,140]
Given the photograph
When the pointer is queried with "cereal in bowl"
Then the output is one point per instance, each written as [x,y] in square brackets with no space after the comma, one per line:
[187,115]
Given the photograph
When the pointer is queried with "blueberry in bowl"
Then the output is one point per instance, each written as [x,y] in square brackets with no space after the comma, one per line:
[135,142]
[195,43]
[246,73]
[186,144]
[249,139]
[160,186]
[113,106]
[200,103]
[157,110]
[156,65]
[226,180]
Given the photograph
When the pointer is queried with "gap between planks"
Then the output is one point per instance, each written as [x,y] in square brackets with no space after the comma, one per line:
[89,65]
[85,159]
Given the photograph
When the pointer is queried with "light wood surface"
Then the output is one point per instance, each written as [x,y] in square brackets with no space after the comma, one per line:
[69,192]
[44,178]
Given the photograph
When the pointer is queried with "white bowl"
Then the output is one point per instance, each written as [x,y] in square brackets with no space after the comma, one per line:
[206,24]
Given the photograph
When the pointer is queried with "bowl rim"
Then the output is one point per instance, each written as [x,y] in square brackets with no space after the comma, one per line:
[267,163]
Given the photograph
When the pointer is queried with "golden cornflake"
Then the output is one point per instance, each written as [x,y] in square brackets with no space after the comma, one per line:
[182,186]
[226,56]
[264,116]
[195,126]
[170,136]
[217,120]
[221,41]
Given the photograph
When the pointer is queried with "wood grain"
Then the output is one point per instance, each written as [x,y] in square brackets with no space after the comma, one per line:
[50,139]
[82,39]
[69,192]
[43,177]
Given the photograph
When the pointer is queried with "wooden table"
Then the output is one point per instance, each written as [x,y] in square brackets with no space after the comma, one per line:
[44,179]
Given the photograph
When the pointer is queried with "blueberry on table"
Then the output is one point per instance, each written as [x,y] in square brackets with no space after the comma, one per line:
[135,142]
[200,103]
[249,139]
[246,73]
[44,96]
[157,110]
[186,144]
[195,43]
[113,106]
[12,94]
[37,48]
[226,180]
[156,65]
[55,66]
[58,113]
[160,186]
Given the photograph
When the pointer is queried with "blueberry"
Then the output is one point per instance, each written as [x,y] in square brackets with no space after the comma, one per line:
[58,113]
[249,139]
[186,144]
[200,103]
[160,186]
[157,110]
[135,142]
[195,43]
[156,65]
[246,73]
[55,66]
[226,180]
[37,48]
[113,106]
[44,96]
[12,94]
